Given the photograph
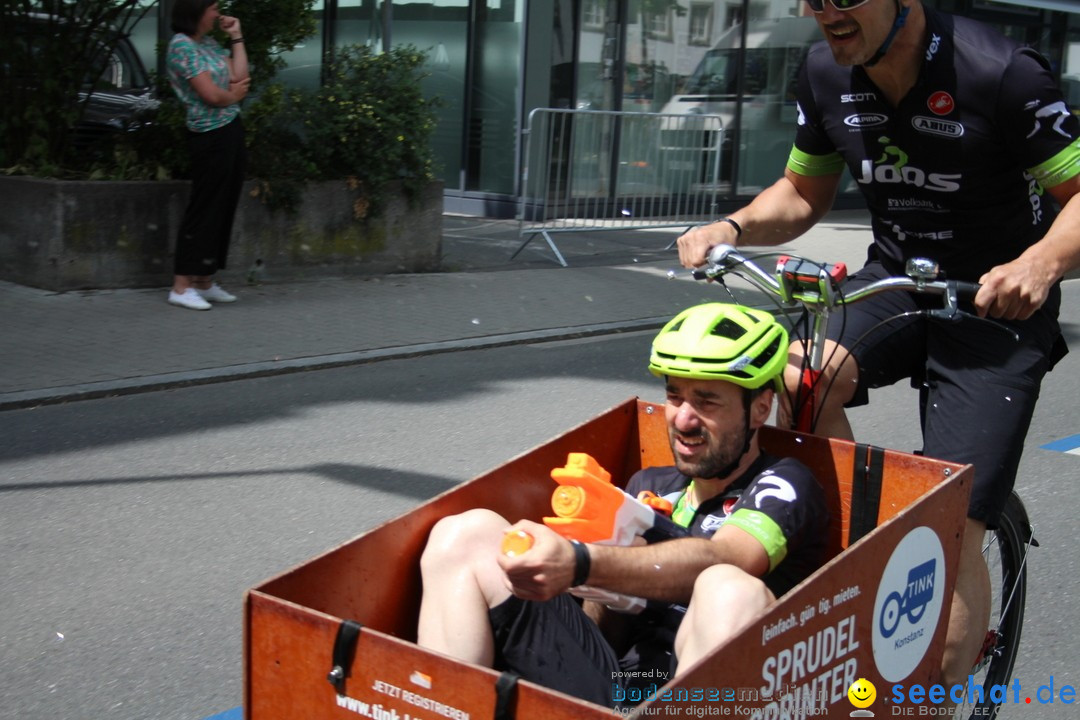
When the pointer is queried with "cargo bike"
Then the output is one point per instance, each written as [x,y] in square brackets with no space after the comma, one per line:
[335,636]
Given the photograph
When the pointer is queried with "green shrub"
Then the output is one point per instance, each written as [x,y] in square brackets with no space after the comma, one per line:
[370,122]
[369,125]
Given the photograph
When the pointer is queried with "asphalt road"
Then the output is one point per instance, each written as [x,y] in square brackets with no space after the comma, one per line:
[132,526]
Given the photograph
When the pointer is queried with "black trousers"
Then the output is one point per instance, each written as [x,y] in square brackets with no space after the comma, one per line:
[218,159]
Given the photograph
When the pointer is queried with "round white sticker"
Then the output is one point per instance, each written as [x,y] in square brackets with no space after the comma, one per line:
[908,604]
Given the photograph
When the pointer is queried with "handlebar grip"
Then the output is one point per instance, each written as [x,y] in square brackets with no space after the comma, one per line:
[717,254]
[966,290]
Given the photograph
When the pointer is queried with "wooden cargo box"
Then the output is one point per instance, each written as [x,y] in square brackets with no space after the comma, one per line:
[876,610]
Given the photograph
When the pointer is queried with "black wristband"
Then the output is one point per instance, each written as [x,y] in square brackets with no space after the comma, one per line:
[582,563]
[234,41]
[737,226]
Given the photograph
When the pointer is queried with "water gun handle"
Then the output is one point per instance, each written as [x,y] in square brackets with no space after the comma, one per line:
[516,542]
[616,601]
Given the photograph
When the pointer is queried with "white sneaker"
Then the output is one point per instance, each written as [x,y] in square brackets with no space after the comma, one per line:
[214,293]
[189,299]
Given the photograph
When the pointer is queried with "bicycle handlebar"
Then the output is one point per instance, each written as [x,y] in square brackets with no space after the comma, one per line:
[817,285]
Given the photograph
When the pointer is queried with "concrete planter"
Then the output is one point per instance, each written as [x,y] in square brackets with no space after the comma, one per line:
[72,235]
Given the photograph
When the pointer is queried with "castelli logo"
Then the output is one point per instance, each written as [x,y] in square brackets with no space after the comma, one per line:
[941,103]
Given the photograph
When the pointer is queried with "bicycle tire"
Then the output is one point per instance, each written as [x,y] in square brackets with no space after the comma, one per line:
[1004,550]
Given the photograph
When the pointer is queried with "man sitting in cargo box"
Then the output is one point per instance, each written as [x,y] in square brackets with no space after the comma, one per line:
[756,527]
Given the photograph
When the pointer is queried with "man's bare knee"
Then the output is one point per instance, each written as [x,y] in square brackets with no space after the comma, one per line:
[725,600]
[457,538]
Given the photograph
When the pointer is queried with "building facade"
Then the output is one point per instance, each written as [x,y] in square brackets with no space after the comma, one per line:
[493,61]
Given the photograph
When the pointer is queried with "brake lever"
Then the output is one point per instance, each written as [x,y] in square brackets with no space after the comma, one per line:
[955,314]
[952,312]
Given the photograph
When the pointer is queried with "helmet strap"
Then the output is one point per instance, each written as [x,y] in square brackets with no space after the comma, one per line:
[901,18]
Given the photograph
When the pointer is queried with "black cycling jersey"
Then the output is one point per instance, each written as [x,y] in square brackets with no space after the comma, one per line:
[778,501]
[956,172]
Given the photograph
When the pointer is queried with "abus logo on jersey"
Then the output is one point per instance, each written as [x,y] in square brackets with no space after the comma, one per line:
[865,120]
[937,126]
[892,167]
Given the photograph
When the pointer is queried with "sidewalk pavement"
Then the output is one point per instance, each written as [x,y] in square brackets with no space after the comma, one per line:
[60,347]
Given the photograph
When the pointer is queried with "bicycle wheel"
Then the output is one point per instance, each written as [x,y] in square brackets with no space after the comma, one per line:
[1005,551]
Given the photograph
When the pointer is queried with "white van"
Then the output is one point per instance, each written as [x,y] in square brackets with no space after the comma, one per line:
[775,51]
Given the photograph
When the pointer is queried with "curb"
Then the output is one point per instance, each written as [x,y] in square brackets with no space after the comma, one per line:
[22,399]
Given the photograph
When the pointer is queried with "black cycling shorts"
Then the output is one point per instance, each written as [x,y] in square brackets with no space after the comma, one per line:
[555,644]
[981,385]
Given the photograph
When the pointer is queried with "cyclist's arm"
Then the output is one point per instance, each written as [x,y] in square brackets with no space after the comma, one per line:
[1015,290]
[781,212]
[663,571]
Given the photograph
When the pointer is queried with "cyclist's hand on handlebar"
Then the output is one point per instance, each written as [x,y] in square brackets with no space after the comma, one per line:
[1013,291]
[695,243]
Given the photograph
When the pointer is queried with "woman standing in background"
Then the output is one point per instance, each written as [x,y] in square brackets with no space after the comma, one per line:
[210,81]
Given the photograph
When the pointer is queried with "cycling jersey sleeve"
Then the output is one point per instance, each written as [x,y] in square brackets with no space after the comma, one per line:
[1032,109]
[782,508]
[813,153]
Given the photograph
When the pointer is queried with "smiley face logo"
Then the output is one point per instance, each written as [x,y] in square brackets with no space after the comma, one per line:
[862,693]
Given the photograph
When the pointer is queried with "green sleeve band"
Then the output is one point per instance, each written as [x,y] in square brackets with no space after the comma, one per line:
[1063,166]
[802,163]
[763,529]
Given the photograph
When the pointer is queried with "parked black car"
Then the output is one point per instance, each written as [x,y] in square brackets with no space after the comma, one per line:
[119,99]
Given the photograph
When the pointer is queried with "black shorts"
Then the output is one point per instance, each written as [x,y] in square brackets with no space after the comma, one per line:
[981,386]
[555,644]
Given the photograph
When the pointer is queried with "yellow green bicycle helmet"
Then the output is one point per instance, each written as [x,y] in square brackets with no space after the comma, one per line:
[720,341]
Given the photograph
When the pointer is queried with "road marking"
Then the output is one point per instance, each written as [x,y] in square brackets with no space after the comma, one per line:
[237,713]
[1069,445]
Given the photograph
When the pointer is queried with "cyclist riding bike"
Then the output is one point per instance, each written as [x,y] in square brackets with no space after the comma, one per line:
[955,135]
[756,524]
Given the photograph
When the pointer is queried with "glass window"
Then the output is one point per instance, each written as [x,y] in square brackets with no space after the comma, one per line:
[775,48]
[144,34]
[358,23]
[304,62]
[701,15]
[651,52]
[493,111]
[441,29]
[593,14]
[597,55]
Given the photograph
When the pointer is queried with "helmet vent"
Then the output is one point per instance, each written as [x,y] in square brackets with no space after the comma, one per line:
[729,329]
[768,353]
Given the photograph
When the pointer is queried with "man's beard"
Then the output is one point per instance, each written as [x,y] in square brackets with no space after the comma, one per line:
[720,454]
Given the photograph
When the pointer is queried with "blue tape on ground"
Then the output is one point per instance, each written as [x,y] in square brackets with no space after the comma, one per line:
[237,713]
[1069,444]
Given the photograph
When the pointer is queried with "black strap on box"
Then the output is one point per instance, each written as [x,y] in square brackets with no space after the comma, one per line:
[344,646]
[866,478]
[504,695]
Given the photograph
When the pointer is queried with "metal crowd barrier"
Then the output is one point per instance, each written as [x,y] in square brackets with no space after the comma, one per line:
[588,170]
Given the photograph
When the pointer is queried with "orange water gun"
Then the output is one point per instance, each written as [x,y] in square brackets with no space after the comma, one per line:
[590,509]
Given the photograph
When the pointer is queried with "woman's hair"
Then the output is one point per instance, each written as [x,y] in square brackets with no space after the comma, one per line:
[187,13]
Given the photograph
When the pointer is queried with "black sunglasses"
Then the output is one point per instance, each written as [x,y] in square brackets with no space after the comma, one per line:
[842,5]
